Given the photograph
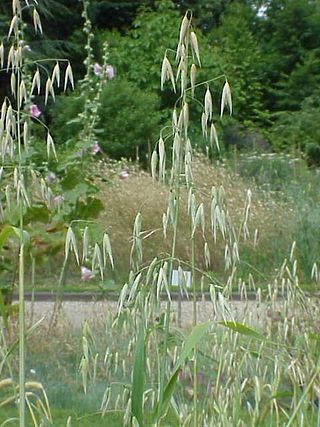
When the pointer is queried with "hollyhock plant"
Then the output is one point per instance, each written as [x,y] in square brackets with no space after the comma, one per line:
[34,111]
[109,71]
[86,274]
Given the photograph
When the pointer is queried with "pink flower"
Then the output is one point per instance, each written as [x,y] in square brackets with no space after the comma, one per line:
[86,274]
[109,71]
[34,111]
[97,69]
[95,148]
[123,175]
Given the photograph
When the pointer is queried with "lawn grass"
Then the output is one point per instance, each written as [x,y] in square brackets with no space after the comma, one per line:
[60,417]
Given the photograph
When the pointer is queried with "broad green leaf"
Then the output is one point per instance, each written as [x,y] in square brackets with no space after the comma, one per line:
[192,340]
[10,231]
[243,330]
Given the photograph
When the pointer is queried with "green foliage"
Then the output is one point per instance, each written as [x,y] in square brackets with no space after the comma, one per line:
[128,119]
[235,53]
[295,130]
[138,54]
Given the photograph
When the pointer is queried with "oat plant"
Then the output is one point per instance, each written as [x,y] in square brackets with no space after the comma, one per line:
[18,116]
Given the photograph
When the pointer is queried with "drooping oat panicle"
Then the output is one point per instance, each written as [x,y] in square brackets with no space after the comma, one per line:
[226,99]
[195,46]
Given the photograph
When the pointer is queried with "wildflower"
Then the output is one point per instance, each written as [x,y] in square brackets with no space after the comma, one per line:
[109,71]
[97,69]
[123,175]
[95,148]
[86,274]
[34,111]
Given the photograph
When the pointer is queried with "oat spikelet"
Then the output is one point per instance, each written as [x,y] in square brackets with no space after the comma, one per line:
[51,147]
[154,162]
[167,73]
[56,74]
[226,99]
[36,21]
[36,82]
[208,103]
[49,89]
[68,77]
[193,72]
[13,26]
[195,47]
[204,124]
[185,115]
[162,159]
[183,29]
[214,136]
[1,55]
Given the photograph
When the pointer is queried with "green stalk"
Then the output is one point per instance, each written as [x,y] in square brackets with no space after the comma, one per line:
[33,270]
[168,307]
[22,401]
[194,322]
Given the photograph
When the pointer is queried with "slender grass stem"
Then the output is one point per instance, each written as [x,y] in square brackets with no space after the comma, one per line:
[22,402]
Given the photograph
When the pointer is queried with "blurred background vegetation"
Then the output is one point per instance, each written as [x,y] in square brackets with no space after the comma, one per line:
[270,52]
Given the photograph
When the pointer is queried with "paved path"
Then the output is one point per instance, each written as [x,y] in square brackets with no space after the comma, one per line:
[75,312]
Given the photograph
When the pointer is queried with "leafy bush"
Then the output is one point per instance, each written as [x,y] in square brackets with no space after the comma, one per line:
[128,118]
